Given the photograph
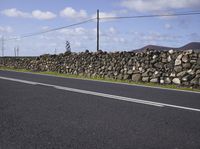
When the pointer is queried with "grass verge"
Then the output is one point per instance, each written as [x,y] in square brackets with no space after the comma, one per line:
[165,86]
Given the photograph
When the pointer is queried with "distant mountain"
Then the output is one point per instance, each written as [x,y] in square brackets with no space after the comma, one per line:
[192,45]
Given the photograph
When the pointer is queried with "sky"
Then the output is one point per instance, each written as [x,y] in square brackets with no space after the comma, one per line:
[23,17]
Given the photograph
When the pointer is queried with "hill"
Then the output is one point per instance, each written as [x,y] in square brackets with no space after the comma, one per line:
[192,45]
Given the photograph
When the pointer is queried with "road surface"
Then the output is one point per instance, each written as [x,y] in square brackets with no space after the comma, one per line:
[46,112]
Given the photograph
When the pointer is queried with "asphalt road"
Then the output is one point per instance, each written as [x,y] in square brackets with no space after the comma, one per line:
[45,112]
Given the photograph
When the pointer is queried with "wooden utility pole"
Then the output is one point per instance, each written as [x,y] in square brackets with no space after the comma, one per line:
[97,29]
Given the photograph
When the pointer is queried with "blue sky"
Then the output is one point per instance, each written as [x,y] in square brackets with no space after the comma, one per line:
[20,17]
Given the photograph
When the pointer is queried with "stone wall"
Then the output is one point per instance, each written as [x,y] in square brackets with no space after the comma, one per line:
[164,67]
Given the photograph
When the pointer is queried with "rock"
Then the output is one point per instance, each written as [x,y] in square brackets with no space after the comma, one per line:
[181,74]
[136,77]
[178,68]
[156,74]
[195,81]
[126,77]
[186,52]
[198,71]
[145,74]
[110,68]
[187,77]
[169,58]
[178,60]
[159,65]
[176,81]
[145,79]
[120,77]
[185,58]
[154,80]
[186,65]
[191,72]
[155,56]
[162,81]
[167,80]
[130,72]
[171,51]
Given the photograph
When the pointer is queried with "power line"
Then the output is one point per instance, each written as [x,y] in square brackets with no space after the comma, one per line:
[54,29]
[152,16]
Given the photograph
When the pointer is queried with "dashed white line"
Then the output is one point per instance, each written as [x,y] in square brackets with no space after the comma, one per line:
[157,104]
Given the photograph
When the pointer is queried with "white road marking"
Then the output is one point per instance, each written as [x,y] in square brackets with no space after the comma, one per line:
[157,104]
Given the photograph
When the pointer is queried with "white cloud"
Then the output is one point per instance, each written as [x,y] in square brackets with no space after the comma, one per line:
[6,29]
[13,12]
[168,26]
[37,14]
[159,5]
[105,14]
[43,15]
[112,30]
[45,27]
[71,13]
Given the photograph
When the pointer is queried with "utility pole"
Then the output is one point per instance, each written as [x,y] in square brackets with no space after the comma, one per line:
[55,52]
[97,29]
[17,50]
[2,46]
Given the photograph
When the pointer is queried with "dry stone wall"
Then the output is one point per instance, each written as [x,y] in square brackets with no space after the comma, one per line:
[164,67]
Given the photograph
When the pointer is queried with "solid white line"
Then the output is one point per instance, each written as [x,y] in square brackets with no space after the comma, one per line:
[156,87]
[18,80]
[157,104]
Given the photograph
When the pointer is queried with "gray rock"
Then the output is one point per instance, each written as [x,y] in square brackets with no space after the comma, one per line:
[182,73]
[171,51]
[178,68]
[195,81]
[162,81]
[191,72]
[176,81]
[130,72]
[186,52]
[186,65]
[178,60]
[136,77]
[145,79]
[185,58]
[154,80]
[187,77]
[169,58]
[167,80]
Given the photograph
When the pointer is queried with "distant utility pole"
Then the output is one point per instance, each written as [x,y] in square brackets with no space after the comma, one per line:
[55,51]
[2,46]
[97,29]
[17,50]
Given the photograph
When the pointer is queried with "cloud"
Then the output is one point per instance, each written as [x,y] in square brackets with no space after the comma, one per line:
[37,14]
[6,29]
[71,13]
[168,26]
[105,14]
[13,12]
[43,15]
[159,5]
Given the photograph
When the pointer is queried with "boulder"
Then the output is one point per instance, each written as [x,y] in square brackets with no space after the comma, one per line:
[154,80]
[176,81]
[136,77]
